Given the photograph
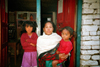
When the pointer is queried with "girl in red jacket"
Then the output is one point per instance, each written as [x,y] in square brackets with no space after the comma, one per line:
[28,42]
[65,46]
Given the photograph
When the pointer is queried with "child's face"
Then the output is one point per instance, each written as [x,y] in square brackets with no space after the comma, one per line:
[28,29]
[48,29]
[65,35]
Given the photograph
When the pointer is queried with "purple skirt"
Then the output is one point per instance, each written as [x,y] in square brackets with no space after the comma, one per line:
[29,59]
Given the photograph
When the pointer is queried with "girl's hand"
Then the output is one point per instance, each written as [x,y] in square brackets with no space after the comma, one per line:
[57,52]
[32,44]
[26,40]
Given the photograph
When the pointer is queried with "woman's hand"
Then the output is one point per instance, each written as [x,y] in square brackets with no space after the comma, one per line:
[63,56]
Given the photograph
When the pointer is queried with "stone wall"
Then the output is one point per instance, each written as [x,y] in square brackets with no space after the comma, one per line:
[90,34]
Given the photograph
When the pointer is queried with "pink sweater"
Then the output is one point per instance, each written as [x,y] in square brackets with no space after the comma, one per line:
[26,44]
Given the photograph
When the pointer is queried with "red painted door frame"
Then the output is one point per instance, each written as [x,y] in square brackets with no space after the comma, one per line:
[67,18]
[3,34]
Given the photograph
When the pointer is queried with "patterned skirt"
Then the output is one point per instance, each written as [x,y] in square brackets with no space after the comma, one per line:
[46,56]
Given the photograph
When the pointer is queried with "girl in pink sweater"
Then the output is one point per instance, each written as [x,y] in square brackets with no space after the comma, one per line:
[28,42]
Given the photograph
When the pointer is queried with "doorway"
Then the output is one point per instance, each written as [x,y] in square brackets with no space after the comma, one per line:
[49,11]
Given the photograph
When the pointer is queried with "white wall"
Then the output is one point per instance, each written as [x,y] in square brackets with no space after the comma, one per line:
[90,34]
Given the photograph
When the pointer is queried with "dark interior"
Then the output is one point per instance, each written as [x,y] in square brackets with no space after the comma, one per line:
[47,7]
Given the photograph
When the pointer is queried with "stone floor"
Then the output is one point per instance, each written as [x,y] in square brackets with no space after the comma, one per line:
[11,62]
[18,61]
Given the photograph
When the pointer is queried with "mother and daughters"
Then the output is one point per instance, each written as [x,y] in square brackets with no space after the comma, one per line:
[52,49]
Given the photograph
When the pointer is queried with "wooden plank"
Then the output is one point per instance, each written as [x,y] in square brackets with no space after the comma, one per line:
[0,33]
[3,33]
[38,19]
[79,18]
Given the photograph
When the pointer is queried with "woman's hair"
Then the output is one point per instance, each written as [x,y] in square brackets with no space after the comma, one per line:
[29,23]
[71,31]
[51,23]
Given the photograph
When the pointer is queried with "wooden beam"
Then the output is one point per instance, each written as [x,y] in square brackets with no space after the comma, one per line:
[0,33]
[78,41]
[38,19]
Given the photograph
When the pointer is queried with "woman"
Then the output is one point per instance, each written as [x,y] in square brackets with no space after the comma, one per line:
[47,44]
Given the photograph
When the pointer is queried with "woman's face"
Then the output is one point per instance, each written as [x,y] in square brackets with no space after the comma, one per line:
[28,29]
[48,28]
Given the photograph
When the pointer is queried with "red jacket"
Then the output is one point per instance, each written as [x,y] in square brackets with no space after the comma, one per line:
[26,44]
[65,47]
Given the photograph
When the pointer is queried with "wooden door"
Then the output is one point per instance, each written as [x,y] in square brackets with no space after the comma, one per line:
[66,17]
[3,34]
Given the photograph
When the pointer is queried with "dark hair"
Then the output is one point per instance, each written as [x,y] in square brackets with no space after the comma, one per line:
[51,23]
[71,31]
[29,23]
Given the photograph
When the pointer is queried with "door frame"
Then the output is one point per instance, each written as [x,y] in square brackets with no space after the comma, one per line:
[78,30]
[0,33]
[38,18]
